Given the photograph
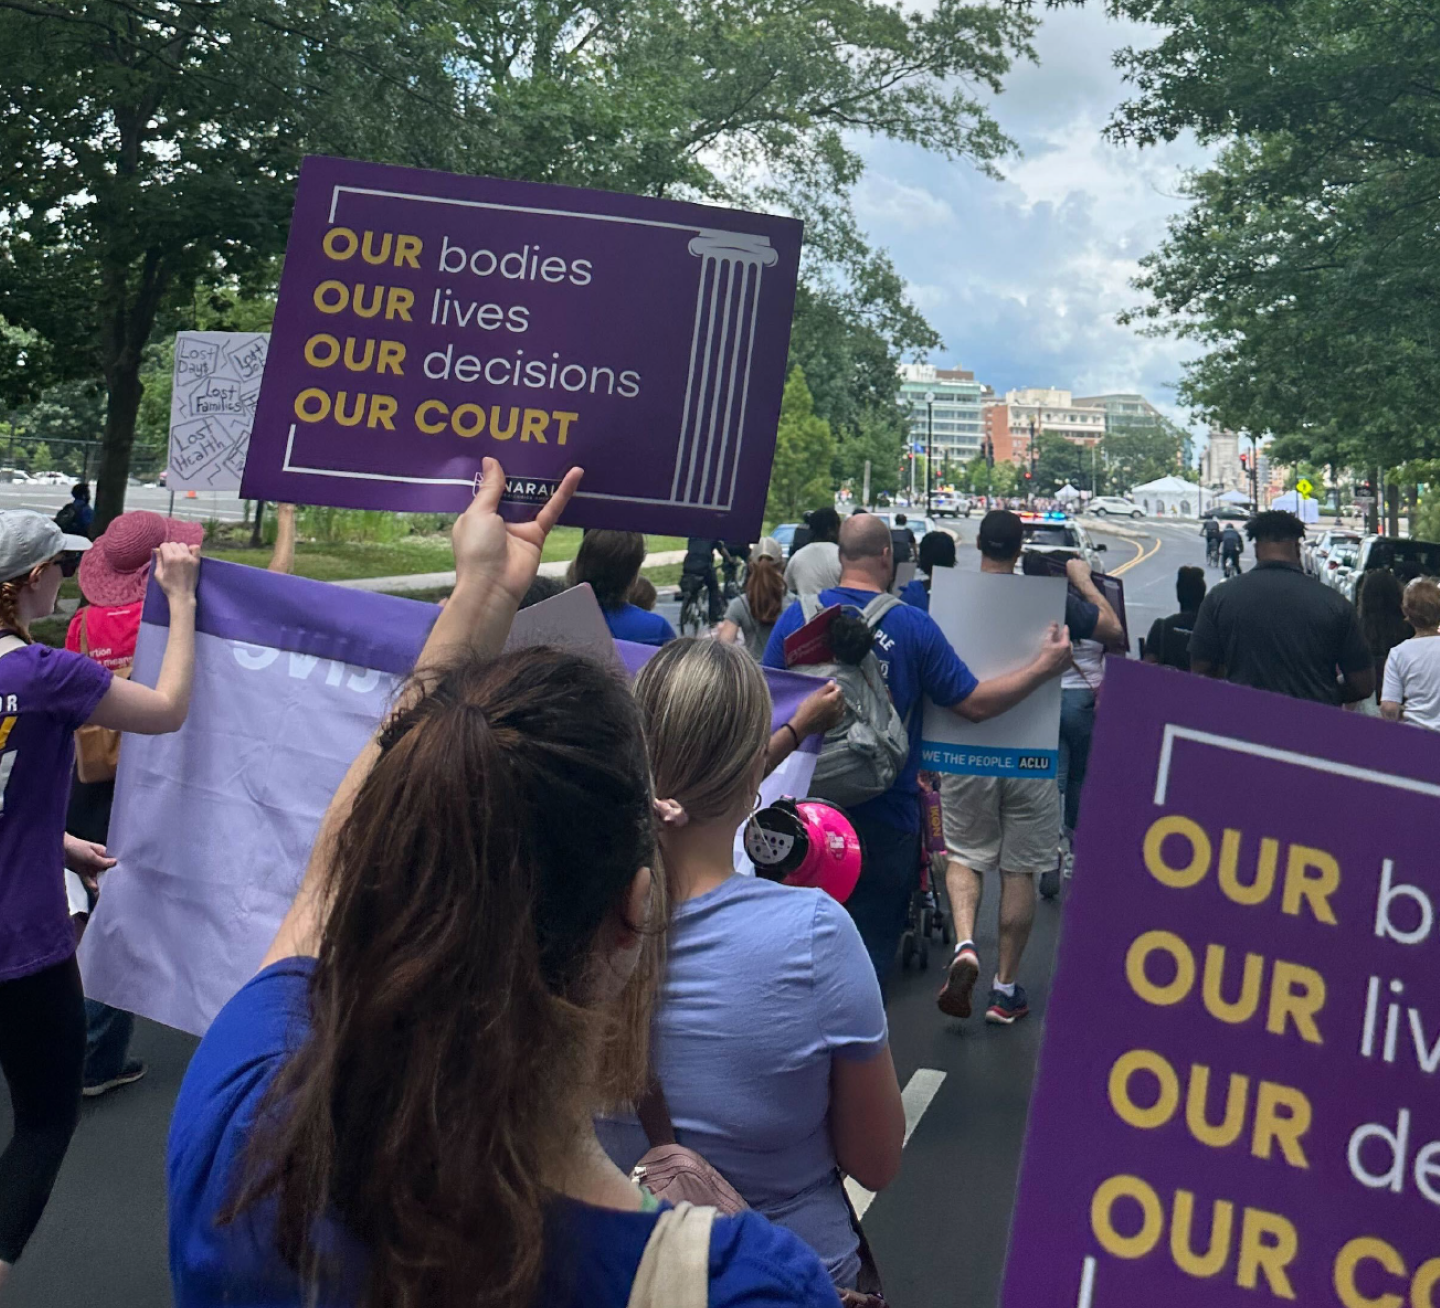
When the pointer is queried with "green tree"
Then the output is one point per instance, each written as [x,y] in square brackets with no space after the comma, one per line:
[1306,266]
[151,145]
[1057,461]
[804,447]
[1135,455]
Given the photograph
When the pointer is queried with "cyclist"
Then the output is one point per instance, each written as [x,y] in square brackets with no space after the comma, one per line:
[1232,546]
[733,554]
[698,571]
[1210,529]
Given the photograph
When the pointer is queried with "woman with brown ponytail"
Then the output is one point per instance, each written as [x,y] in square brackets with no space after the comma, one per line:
[396,1112]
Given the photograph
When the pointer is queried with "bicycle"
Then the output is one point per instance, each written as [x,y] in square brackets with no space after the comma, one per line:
[694,608]
[1231,566]
[1212,553]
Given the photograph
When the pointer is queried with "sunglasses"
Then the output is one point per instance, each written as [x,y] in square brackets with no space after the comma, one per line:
[69,562]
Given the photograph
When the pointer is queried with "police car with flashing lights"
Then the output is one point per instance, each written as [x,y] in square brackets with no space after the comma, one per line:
[1054,533]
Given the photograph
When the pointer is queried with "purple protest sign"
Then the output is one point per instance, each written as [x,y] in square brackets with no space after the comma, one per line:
[1237,1085]
[426,320]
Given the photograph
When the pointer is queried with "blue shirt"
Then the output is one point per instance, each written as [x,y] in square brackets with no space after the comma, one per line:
[765,985]
[632,623]
[916,660]
[593,1252]
[917,593]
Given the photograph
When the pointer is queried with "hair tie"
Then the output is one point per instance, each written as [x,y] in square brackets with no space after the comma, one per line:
[669,813]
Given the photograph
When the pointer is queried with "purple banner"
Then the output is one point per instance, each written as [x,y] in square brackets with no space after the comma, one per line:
[1237,1091]
[426,320]
[213,824]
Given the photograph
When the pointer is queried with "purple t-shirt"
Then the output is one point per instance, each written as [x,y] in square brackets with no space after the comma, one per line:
[44,695]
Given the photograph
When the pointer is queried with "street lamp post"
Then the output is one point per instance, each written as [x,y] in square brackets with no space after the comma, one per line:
[929,449]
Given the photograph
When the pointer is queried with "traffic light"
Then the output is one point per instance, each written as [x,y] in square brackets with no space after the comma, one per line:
[1245,461]
[1028,474]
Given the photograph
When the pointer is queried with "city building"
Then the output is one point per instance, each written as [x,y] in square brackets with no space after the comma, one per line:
[945,411]
[1220,467]
[1125,411]
[1010,422]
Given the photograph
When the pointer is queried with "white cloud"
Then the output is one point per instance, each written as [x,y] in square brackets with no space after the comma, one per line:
[1024,277]
[881,199]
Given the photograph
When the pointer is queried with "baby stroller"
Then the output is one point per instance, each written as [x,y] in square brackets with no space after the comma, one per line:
[929,907]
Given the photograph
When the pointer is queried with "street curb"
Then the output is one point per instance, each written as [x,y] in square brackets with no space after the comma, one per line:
[419,581]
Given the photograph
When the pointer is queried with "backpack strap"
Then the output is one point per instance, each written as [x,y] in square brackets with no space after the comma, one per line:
[654,1114]
[675,1268]
[809,607]
[875,611]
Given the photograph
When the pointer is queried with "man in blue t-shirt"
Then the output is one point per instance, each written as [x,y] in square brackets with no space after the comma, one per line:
[916,660]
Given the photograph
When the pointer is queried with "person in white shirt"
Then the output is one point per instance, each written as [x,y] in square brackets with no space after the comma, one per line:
[816,566]
[1412,672]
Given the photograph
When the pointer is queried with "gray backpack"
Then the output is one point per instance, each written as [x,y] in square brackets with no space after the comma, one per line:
[864,753]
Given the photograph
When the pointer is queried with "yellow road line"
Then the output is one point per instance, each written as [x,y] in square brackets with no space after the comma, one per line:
[1141,554]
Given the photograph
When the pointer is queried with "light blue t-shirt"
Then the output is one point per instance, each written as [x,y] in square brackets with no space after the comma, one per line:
[765,984]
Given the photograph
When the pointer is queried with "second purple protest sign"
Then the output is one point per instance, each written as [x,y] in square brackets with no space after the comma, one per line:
[427,320]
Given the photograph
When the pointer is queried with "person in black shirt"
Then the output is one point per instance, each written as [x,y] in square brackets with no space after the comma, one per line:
[1277,629]
[902,540]
[1169,640]
[1232,547]
[1210,529]
[699,570]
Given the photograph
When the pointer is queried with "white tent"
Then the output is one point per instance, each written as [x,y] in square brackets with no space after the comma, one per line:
[1172,497]
[1234,497]
[1067,492]
[1305,510]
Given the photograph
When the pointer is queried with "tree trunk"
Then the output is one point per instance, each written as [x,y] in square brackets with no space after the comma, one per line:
[1392,508]
[113,475]
[1372,511]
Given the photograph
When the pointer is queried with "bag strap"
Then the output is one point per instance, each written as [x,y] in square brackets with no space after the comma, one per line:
[868,1281]
[654,1114]
[674,1270]
[875,611]
[85,631]
[809,607]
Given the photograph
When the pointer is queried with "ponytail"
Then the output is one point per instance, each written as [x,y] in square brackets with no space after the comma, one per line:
[456,1037]
[10,608]
[765,590]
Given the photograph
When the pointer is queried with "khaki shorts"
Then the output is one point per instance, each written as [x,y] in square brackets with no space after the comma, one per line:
[1009,824]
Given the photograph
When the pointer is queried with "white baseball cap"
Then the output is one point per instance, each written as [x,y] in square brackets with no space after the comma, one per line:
[28,539]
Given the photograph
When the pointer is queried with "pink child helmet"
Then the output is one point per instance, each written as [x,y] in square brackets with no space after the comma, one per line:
[805,842]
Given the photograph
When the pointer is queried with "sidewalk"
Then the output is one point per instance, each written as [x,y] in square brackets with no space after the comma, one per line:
[421,581]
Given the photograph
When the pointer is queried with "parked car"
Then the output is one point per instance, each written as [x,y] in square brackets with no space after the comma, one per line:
[53,478]
[1339,565]
[1056,535]
[918,523]
[14,475]
[1229,513]
[1406,558]
[785,534]
[1315,550]
[1117,505]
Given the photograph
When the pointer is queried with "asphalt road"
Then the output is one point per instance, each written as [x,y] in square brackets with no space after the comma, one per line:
[205,506]
[939,1232]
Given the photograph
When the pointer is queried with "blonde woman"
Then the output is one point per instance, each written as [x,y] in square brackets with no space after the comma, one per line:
[1412,672]
[770,1040]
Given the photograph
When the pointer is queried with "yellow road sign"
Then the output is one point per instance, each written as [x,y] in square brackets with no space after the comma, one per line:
[1304,487]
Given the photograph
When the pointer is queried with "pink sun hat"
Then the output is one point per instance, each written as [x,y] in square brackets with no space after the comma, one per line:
[117,568]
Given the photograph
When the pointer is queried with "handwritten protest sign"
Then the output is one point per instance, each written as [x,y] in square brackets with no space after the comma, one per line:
[427,320]
[996,624]
[212,407]
[1237,1091]
[213,824]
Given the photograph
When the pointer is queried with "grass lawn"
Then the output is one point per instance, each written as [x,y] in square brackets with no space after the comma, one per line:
[346,561]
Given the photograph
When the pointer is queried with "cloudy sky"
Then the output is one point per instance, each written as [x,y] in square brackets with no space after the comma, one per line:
[1023,277]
